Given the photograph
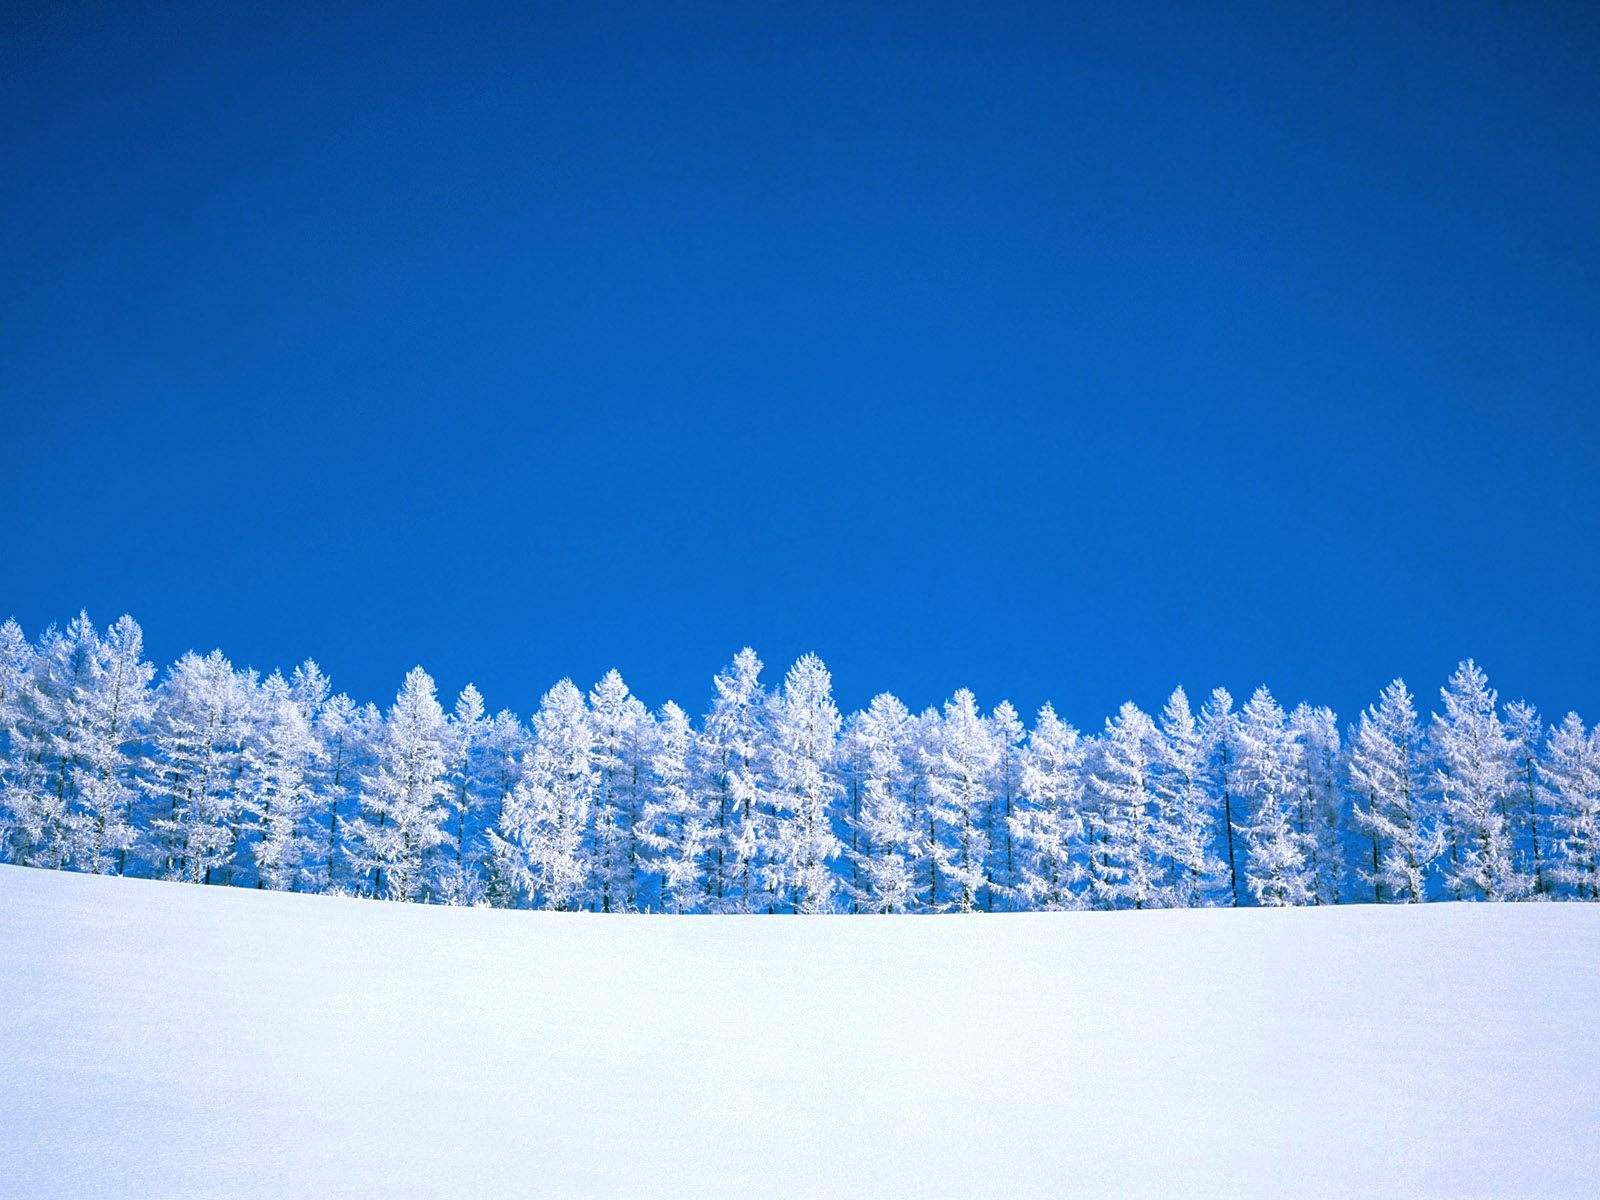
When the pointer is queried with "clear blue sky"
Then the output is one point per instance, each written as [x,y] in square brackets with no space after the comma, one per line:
[1063,352]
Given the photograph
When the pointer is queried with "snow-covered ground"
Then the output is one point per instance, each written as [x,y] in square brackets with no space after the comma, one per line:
[167,1040]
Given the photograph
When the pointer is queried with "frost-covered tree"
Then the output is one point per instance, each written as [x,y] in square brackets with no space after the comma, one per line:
[1189,810]
[347,736]
[886,846]
[961,769]
[402,797]
[1277,869]
[1390,807]
[1523,729]
[620,728]
[458,874]
[804,723]
[1218,725]
[1046,825]
[1009,735]
[1319,799]
[1473,781]
[276,787]
[1126,866]
[1571,792]
[539,849]
[732,754]
[197,737]
[675,829]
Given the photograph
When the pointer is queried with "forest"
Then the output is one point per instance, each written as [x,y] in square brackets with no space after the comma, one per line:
[772,801]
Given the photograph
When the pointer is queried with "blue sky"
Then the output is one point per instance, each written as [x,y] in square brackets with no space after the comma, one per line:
[1061,352]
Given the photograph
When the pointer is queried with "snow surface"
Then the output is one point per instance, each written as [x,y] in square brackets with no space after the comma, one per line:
[170,1040]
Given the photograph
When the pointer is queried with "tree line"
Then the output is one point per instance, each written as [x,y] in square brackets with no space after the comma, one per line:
[773,801]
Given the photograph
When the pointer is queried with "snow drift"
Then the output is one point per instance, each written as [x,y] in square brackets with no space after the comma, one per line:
[171,1040]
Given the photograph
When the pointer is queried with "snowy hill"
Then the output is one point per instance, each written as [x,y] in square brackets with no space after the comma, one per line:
[171,1040]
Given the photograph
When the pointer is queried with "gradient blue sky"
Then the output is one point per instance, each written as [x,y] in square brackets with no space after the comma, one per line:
[1062,352]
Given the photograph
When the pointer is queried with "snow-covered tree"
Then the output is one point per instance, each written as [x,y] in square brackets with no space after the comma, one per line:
[1047,824]
[458,875]
[620,727]
[1527,825]
[1218,725]
[197,737]
[1189,810]
[347,736]
[1473,780]
[276,787]
[1390,806]
[1571,793]
[1126,866]
[732,754]
[1277,868]
[1009,736]
[805,725]
[1319,800]
[539,848]
[961,772]
[402,797]
[675,829]
[886,844]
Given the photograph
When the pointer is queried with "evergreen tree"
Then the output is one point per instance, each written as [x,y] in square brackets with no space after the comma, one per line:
[675,829]
[1009,735]
[732,753]
[1319,808]
[402,797]
[1523,729]
[1189,816]
[539,848]
[620,727]
[886,842]
[1390,807]
[961,773]
[1126,868]
[1277,869]
[1218,727]
[805,725]
[197,738]
[1047,822]
[1571,791]
[1473,781]
[347,737]
[276,787]
[459,875]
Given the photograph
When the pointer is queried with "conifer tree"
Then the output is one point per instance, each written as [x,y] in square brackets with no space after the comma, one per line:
[1523,729]
[732,752]
[620,727]
[1047,823]
[1277,870]
[458,875]
[1319,808]
[1390,806]
[539,846]
[885,852]
[1473,781]
[1189,817]
[675,829]
[1126,869]
[805,785]
[1009,736]
[202,720]
[961,772]
[1218,727]
[276,791]
[402,797]
[1571,792]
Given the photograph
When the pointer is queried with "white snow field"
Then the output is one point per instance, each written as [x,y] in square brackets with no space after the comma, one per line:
[167,1040]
